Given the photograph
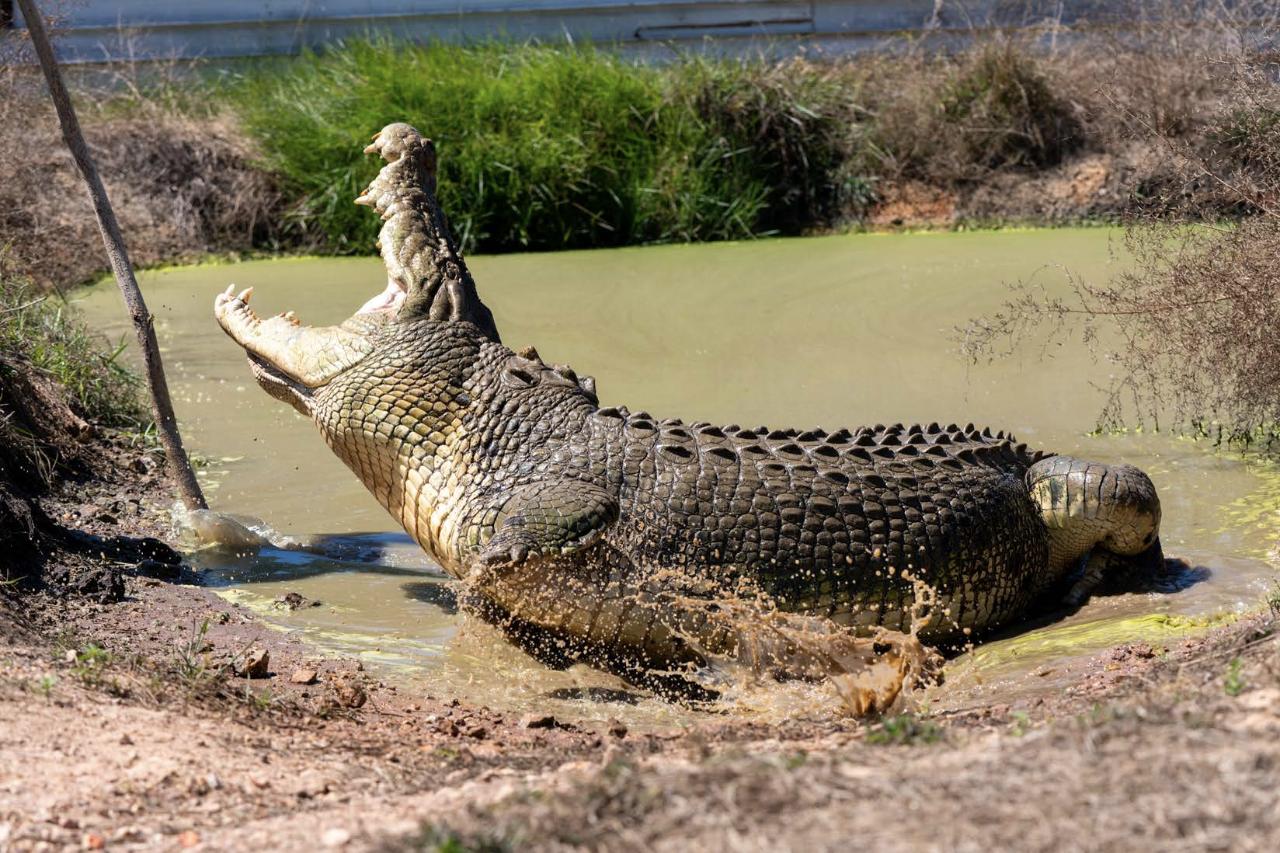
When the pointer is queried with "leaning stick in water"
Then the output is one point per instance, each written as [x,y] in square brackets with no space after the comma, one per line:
[161,405]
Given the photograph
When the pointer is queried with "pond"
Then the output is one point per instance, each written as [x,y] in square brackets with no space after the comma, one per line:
[828,331]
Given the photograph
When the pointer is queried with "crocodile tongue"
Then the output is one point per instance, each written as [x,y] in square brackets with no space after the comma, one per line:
[310,356]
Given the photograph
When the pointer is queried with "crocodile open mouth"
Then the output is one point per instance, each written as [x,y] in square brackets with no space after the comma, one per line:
[390,300]
[266,372]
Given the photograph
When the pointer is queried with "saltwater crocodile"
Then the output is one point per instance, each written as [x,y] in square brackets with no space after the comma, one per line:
[622,531]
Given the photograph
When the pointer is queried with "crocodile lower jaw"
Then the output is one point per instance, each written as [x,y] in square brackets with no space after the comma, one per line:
[281,348]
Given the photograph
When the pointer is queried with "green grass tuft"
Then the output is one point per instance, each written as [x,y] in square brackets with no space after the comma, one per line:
[904,729]
[44,330]
[1233,682]
[442,840]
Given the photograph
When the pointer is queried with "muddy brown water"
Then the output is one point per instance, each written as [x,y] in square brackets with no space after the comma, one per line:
[831,331]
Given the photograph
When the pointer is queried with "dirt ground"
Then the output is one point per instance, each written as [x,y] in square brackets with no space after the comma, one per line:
[130,725]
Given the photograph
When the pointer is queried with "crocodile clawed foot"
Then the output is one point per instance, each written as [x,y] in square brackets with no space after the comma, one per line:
[1096,565]
[505,558]
[504,553]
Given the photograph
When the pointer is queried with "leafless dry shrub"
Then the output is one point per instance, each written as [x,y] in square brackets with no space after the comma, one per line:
[1149,75]
[1195,316]
[954,117]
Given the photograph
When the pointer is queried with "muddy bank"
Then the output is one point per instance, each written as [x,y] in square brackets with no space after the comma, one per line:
[1087,188]
[1181,763]
[70,490]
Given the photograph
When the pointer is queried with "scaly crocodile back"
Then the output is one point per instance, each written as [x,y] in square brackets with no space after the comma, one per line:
[828,523]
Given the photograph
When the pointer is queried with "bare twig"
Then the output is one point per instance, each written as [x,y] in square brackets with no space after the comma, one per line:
[16,309]
[1191,319]
[113,240]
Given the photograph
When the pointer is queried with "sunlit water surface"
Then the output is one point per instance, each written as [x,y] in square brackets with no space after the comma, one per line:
[831,332]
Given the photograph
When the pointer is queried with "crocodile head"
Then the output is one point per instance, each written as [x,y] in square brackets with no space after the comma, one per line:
[427,279]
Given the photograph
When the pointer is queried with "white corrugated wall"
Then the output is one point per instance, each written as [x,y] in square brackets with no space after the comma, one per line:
[98,30]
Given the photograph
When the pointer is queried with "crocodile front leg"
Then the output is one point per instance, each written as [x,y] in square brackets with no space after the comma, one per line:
[540,558]
[541,520]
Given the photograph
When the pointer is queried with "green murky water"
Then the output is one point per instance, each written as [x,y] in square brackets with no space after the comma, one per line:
[831,331]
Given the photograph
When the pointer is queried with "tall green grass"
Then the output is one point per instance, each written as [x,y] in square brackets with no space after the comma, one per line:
[547,147]
[559,147]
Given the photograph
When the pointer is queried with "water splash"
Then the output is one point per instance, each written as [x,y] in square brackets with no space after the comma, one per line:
[201,529]
[869,673]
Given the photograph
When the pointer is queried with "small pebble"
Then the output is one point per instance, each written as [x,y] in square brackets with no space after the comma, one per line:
[336,837]
[303,676]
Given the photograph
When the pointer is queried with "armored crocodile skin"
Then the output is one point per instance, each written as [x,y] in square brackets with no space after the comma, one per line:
[621,530]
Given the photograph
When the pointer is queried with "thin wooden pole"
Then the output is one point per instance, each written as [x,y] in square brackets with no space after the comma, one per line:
[161,405]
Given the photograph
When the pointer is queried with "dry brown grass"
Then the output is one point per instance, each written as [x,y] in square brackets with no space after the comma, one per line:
[949,119]
[182,185]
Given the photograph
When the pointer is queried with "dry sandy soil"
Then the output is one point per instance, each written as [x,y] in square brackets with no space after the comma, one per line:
[126,726]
